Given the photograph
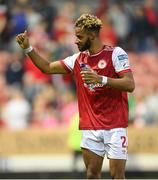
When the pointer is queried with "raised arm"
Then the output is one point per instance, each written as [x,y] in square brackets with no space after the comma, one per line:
[43,64]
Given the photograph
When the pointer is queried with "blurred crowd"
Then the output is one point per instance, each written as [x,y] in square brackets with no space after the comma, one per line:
[31,99]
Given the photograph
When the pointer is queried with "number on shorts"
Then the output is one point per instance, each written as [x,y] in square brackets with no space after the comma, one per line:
[123,138]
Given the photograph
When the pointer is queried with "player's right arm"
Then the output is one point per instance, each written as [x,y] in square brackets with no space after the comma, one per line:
[43,64]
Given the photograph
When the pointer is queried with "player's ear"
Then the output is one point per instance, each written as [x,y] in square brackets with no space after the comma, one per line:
[92,35]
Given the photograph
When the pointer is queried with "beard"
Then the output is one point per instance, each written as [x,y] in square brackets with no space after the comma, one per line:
[85,46]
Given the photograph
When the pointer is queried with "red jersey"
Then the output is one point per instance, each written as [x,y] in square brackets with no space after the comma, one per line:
[105,107]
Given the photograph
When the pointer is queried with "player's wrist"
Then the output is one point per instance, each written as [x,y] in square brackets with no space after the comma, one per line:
[104,80]
[28,50]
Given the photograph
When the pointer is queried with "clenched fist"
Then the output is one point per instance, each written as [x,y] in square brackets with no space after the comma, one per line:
[23,40]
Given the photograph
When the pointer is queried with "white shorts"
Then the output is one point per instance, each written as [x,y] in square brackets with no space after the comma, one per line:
[113,143]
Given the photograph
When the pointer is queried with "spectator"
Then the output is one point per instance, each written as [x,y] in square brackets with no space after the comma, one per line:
[120,21]
[107,33]
[14,71]
[3,23]
[18,19]
[140,29]
[69,107]
[45,109]
[16,111]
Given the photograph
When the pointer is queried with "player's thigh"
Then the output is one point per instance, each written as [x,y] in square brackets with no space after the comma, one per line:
[117,168]
[117,146]
[93,162]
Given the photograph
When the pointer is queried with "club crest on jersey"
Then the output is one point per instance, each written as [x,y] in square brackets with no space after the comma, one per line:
[102,64]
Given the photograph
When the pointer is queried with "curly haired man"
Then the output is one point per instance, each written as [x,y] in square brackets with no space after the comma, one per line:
[103,110]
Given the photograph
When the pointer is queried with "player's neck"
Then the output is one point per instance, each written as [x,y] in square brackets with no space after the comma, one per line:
[96,47]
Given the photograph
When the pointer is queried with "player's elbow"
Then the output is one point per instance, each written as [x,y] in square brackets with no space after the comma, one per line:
[131,87]
[46,69]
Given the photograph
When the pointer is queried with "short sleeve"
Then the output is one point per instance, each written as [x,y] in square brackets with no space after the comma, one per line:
[69,62]
[120,60]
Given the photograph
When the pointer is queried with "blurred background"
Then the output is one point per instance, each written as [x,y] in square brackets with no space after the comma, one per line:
[39,135]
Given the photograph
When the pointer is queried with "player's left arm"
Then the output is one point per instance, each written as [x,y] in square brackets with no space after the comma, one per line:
[125,82]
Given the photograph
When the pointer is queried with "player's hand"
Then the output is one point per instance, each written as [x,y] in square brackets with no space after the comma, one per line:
[89,76]
[23,40]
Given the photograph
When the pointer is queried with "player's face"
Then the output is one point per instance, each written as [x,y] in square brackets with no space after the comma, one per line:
[82,39]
